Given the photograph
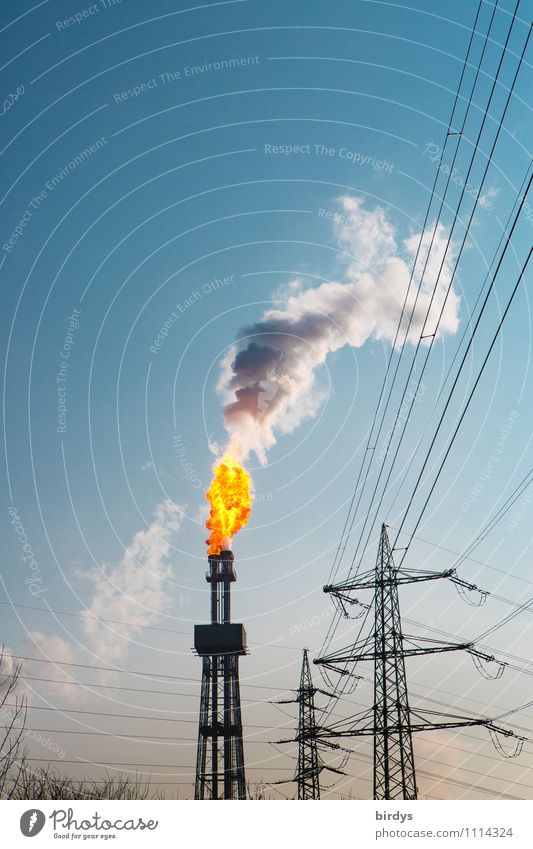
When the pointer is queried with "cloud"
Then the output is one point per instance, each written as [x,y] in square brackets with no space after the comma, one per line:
[486,199]
[52,648]
[268,379]
[14,691]
[135,592]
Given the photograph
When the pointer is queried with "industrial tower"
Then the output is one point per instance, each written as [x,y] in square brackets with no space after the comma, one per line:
[391,721]
[220,757]
[310,764]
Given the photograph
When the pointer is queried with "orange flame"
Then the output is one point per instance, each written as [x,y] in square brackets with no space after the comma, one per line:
[231,499]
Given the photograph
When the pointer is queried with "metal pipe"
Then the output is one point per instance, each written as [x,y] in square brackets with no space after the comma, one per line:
[214,725]
[226,614]
[214,591]
[228,765]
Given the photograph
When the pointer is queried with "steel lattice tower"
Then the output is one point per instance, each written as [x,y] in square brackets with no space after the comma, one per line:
[394,765]
[308,771]
[310,764]
[391,722]
[220,757]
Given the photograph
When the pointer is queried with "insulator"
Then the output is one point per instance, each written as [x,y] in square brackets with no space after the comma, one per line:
[479,663]
[496,742]
[463,592]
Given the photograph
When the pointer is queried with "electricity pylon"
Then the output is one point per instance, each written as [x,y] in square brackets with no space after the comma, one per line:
[310,764]
[392,721]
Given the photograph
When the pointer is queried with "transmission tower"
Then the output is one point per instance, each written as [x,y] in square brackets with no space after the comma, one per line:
[220,757]
[392,722]
[310,764]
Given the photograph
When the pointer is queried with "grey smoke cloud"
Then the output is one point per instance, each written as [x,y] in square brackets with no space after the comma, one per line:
[268,377]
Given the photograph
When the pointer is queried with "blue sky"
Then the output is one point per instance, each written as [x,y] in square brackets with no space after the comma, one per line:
[164,183]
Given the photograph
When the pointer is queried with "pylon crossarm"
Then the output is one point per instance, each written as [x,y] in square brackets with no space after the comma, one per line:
[397,728]
[504,732]
[457,719]
[327,744]
[326,693]
[436,726]
[350,583]
[332,769]
[342,655]
[426,574]
[461,585]
[403,576]
[419,644]
[416,651]
[360,729]
[467,586]
[346,672]
[346,732]
[466,722]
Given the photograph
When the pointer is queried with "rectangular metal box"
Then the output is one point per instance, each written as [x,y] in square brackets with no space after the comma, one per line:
[220,639]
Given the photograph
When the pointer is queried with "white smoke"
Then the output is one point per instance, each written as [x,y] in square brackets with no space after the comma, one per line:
[268,378]
[134,592]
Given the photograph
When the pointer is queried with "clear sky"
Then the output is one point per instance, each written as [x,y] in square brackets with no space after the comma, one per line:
[172,171]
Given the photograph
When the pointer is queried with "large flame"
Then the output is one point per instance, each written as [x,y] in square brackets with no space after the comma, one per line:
[231,499]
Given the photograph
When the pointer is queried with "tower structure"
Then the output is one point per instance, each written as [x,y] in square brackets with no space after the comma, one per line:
[394,764]
[391,722]
[308,770]
[220,756]
[310,764]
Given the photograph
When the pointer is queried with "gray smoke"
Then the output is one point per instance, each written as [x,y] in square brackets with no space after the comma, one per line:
[268,379]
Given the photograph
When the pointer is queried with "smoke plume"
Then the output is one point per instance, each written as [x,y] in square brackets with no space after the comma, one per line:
[133,592]
[268,380]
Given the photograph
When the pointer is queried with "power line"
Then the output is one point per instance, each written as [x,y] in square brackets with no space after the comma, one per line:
[344,540]
[192,742]
[505,229]
[128,624]
[334,623]
[466,406]
[510,616]
[138,673]
[452,276]
[512,498]
[125,736]
[361,756]
[486,529]
[82,762]
[428,311]
[489,160]
[89,686]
